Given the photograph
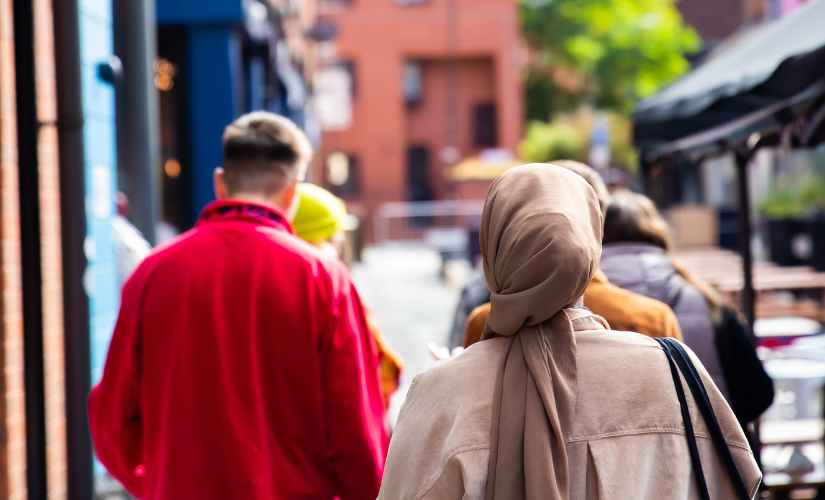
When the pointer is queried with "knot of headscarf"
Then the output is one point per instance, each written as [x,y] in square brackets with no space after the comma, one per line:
[541,233]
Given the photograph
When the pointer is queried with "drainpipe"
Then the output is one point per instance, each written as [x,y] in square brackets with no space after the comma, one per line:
[138,124]
[32,283]
[77,349]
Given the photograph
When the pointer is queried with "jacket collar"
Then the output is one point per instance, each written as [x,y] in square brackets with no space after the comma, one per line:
[583,319]
[238,210]
[600,278]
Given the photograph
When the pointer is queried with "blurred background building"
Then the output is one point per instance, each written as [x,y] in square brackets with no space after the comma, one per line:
[716,20]
[426,84]
[217,60]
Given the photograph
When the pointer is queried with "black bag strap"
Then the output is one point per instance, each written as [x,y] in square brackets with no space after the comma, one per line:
[676,354]
[697,388]
[691,437]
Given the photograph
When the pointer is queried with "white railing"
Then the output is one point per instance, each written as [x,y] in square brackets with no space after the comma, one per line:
[443,225]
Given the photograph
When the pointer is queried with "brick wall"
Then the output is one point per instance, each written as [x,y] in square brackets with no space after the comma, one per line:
[426,124]
[50,252]
[12,408]
[713,19]
[488,44]
[13,476]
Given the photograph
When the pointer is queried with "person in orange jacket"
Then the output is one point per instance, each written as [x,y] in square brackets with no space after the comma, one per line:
[319,220]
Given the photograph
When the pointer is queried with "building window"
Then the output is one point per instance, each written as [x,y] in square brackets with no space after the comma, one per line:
[343,175]
[484,126]
[349,67]
[418,174]
[413,82]
[333,97]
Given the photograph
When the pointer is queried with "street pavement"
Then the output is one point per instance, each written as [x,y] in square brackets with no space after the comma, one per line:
[413,303]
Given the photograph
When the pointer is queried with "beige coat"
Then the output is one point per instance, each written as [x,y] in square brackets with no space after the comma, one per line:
[626,441]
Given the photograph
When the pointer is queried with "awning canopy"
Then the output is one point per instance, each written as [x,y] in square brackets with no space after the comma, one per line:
[476,169]
[488,165]
[760,81]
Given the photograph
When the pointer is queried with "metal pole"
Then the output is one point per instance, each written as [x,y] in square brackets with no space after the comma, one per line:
[77,349]
[29,194]
[138,123]
[748,294]
[452,74]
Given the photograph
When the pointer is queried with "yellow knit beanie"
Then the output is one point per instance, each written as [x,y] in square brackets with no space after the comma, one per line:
[320,213]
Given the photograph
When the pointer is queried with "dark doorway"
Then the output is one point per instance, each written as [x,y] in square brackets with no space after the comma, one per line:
[485,134]
[418,174]
[176,172]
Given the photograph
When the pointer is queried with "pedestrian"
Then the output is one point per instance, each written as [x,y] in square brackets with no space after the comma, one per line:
[130,245]
[241,365]
[637,256]
[474,294]
[552,405]
[319,220]
[623,310]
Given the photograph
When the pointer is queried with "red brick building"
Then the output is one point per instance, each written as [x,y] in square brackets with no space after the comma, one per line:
[433,82]
[715,20]
[12,411]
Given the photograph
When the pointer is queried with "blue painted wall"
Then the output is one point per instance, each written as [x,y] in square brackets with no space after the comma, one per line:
[198,11]
[101,279]
[213,82]
[214,68]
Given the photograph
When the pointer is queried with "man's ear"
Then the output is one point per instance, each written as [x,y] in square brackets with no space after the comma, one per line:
[219,183]
[289,198]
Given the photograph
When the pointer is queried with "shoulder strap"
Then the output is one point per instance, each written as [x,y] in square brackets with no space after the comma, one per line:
[676,353]
[689,434]
[700,395]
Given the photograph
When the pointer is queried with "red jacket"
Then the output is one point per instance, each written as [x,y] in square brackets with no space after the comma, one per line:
[241,368]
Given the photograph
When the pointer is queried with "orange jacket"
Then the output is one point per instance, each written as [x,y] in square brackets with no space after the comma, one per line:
[390,364]
[623,310]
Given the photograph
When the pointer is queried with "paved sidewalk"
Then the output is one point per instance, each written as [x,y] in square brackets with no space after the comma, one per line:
[413,304]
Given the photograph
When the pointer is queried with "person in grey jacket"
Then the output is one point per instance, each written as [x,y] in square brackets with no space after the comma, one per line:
[637,256]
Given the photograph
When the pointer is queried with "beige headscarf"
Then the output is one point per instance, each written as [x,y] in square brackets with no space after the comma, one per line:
[541,233]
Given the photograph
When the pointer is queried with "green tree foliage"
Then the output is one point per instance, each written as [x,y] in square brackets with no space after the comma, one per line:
[605,53]
[791,200]
[568,137]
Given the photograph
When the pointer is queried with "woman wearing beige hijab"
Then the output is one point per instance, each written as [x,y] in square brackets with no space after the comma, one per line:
[552,405]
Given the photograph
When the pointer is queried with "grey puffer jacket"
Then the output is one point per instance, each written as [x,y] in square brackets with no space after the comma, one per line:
[646,269]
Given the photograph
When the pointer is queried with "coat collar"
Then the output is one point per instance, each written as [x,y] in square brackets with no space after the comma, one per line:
[238,210]
[583,319]
[600,278]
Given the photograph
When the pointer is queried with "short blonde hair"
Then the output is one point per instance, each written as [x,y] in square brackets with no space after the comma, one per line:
[262,152]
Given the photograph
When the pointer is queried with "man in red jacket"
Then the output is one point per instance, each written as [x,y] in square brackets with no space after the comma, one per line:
[241,365]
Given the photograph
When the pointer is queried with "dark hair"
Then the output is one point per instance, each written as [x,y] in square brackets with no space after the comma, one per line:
[632,217]
[262,152]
